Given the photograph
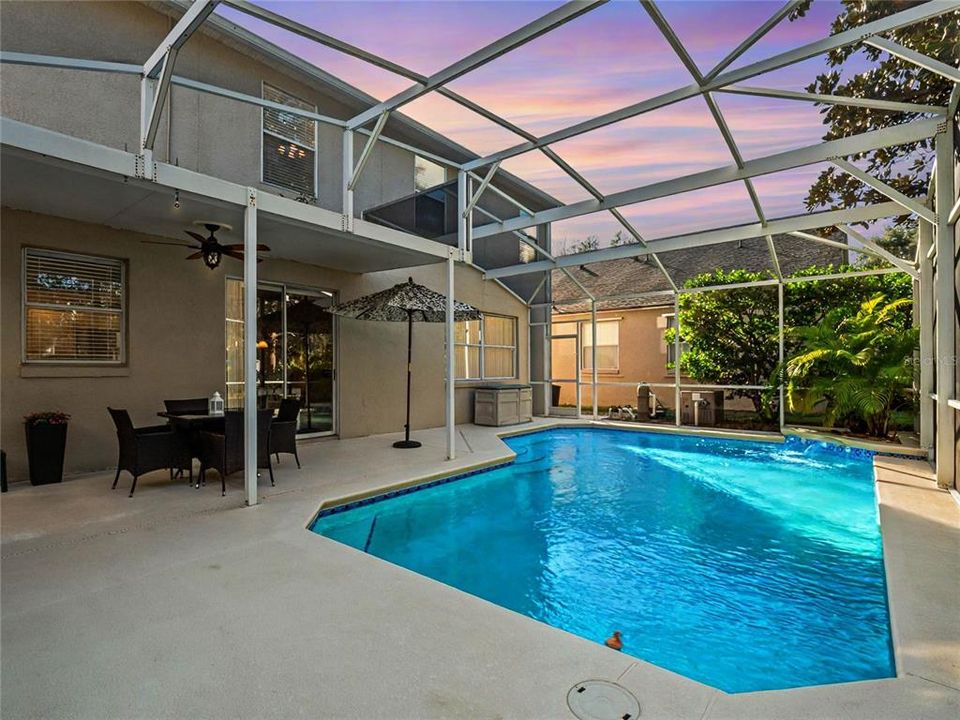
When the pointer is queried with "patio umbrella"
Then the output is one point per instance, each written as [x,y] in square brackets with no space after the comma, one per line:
[407,302]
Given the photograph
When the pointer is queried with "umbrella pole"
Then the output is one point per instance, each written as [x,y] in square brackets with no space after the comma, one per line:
[407,442]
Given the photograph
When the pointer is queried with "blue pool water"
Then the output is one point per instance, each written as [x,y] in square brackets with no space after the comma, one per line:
[743,565]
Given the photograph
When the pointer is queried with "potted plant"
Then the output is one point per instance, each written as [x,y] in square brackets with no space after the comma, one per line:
[46,444]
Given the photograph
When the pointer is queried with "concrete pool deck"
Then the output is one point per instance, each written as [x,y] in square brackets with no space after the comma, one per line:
[180,603]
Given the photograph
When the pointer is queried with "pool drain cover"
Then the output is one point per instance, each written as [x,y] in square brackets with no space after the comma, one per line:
[602,700]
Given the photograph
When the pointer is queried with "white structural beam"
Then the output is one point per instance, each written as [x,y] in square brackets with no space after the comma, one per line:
[945,297]
[810,155]
[881,187]
[450,414]
[901,19]
[479,191]
[773,257]
[753,38]
[346,206]
[925,303]
[151,121]
[250,347]
[544,24]
[732,233]
[877,250]
[188,23]
[833,99]
[918,59]
[367,150]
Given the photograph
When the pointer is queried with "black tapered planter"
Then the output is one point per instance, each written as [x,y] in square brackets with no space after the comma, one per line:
[46,446]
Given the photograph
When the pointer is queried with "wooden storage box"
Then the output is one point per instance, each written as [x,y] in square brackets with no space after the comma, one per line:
[503,405]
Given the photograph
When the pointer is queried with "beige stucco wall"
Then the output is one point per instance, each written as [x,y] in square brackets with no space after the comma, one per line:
[207,133]
[643,358]
[176,342]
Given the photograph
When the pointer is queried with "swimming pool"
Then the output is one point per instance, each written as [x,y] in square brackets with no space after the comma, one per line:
[742,565]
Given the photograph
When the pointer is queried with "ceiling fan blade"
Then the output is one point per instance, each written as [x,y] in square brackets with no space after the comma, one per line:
[239,247]
[195,256]
[233,254]
[161,242]
[196,236]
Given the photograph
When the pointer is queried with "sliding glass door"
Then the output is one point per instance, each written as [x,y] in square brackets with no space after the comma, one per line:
[295,351]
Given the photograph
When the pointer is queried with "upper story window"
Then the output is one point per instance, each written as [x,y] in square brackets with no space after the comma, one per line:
[427,174]
[608,346]
[289,144]
[73,308]
[486,349]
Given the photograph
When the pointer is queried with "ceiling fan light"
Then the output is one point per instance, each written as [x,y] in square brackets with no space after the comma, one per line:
[211,259]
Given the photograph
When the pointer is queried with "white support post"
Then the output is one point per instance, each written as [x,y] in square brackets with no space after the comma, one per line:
[250,347]
[462,218]
[924,302]
[347,206]
[783,372]
[148,92]
[593,356]
[451,408]
[945,298]
[676,358]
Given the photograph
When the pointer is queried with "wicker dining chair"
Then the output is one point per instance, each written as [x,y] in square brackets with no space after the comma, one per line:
[283,431]
[142,449]
[223,452]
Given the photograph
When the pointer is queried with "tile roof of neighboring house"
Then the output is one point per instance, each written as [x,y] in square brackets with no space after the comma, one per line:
[629,275]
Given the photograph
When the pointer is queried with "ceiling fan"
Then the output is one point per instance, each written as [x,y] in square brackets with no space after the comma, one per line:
[209,249]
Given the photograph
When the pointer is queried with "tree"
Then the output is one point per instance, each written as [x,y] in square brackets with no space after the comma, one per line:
[858,365]
[905,167]
[900,239]
[732,335]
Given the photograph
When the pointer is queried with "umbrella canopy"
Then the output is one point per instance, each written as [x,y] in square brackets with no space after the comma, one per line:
[405,302]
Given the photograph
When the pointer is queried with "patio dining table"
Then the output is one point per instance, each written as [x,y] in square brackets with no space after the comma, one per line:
[188,427]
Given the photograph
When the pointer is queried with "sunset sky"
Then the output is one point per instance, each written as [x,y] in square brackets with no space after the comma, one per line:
[608,58]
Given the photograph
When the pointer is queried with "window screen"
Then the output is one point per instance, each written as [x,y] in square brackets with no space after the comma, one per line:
[289,144]
[73,308]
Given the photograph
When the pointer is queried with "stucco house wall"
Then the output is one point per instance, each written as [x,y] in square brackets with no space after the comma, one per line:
[643,358]
[176,333]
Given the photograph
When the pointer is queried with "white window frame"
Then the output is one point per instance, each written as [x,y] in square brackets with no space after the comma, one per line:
[669,319]
[25,305]
[587,355]
[482,345]
[316,142]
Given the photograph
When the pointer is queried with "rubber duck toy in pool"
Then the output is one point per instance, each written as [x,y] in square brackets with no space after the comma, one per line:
[614,642]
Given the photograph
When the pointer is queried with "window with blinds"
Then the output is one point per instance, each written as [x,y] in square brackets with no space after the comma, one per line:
[486,349]
[608,346]
[73,308]
[289,144]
